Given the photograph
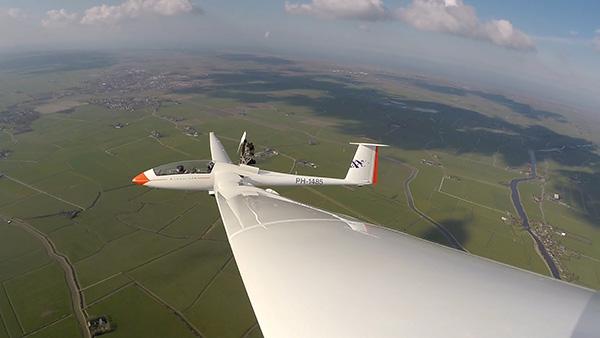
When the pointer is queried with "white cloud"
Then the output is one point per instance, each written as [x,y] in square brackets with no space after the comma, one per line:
[503,33]
[367,10]
[59,17]
[131,9]
[12,13]
[454,17]
[443,16]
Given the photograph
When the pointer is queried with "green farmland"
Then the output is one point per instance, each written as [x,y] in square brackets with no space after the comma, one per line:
[157,263]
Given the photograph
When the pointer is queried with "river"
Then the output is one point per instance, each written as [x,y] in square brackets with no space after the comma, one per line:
[516,199]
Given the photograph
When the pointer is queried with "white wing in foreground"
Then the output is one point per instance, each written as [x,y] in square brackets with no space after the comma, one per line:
[309,273]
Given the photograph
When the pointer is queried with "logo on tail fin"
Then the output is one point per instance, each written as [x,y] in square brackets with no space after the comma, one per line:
[357,163]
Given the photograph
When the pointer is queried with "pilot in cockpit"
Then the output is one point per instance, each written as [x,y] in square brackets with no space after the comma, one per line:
[211,164]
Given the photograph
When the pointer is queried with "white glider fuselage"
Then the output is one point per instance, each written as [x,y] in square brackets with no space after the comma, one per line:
[200,175]
[249,175]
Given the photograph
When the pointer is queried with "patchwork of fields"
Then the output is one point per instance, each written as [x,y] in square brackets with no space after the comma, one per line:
[157,263]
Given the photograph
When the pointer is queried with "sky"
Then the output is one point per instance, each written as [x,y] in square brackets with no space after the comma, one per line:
[538,47]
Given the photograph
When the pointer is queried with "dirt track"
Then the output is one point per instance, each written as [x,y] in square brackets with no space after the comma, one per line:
[77,298]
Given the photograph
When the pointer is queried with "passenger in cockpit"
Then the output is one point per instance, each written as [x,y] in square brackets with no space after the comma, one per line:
[180,169]
[210,166]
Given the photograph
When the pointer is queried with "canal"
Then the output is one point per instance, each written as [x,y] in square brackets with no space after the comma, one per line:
[516,199]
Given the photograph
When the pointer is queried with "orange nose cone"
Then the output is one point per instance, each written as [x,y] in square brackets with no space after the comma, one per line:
[140,179]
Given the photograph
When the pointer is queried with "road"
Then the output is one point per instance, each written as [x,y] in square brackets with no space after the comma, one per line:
[411,204]
[43,192]
[516,199]
[77,299]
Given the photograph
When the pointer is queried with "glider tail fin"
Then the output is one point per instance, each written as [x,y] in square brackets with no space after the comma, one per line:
[217,151]
[363,168]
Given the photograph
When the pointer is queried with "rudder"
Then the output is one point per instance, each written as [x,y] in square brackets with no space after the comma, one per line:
[364,166]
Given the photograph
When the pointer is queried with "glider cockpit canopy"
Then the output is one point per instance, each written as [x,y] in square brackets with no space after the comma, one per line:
[184,167]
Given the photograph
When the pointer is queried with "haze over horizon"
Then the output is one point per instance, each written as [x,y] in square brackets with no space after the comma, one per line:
[545,50]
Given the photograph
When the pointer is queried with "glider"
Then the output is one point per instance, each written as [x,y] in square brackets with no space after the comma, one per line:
[313,273]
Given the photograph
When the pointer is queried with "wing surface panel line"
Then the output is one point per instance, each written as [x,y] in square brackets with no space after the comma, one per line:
[253,212]
[264,225]
[345,220]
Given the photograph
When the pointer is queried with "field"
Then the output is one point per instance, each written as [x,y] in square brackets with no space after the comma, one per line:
[157,263]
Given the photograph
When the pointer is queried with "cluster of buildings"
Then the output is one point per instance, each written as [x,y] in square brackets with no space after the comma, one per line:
[268,152]
[190,131]
[430,163]
[99,325]
[307,163]
[350,73]
[129,104]
[118,125]
[137,79]
[173,119]
[18,120]
[550,238]
[4,153]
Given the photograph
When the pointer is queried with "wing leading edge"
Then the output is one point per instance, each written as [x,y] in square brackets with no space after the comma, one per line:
[310,273]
